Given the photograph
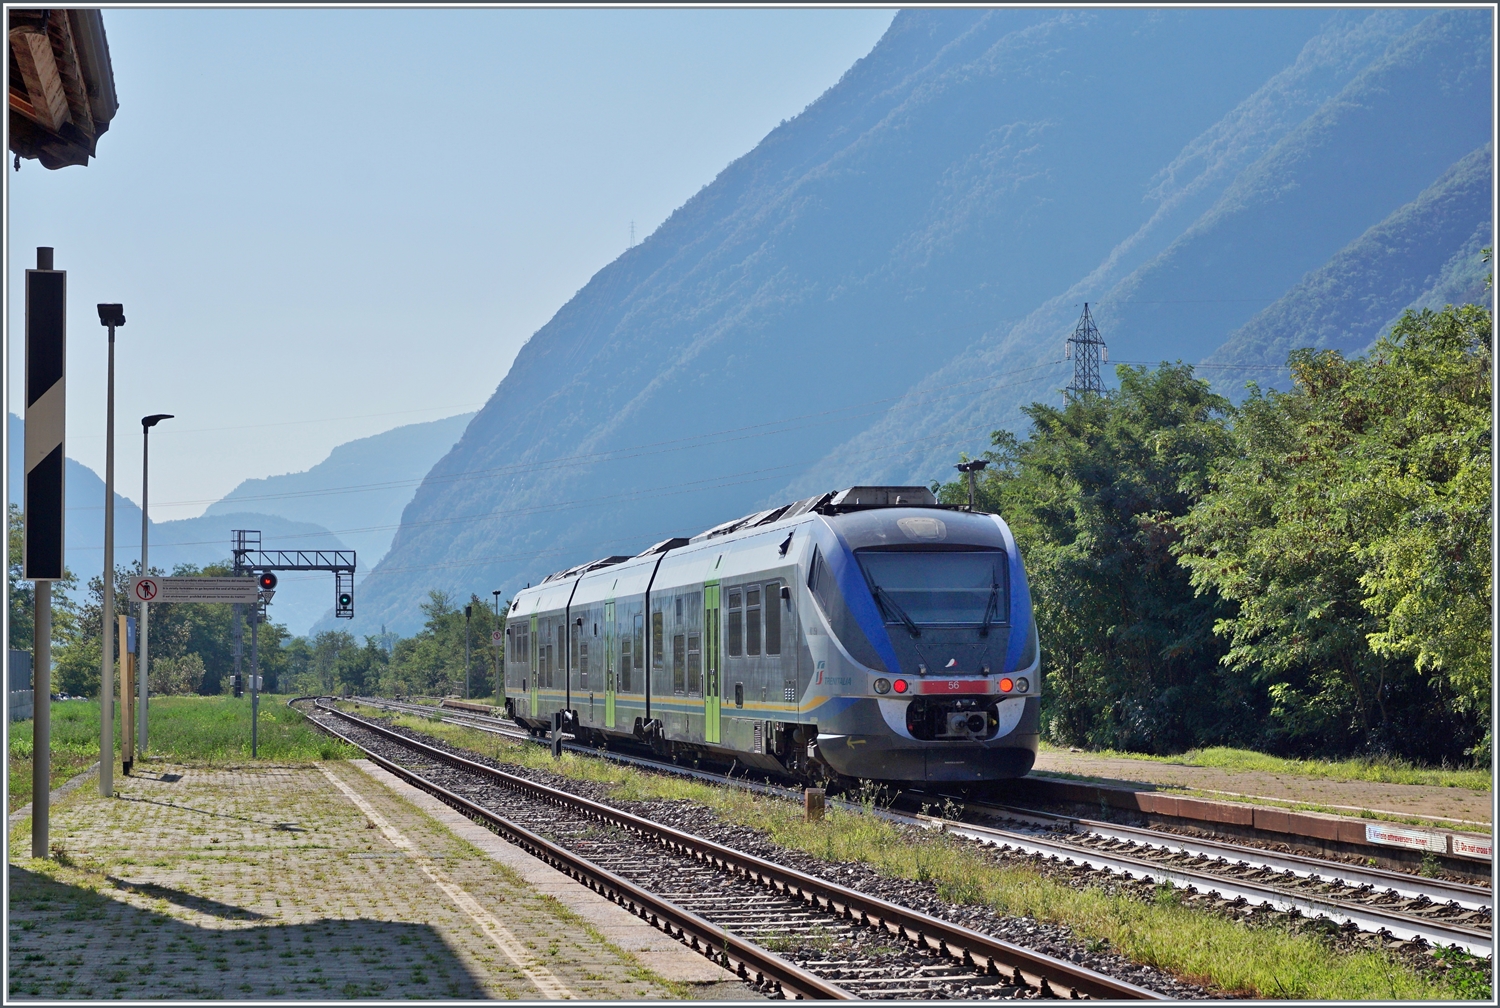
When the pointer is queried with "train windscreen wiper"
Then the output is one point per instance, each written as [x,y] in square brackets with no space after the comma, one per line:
[990,610]
[889,608]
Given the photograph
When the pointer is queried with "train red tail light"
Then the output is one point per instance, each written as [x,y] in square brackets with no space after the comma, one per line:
[1006,685]
[899,686]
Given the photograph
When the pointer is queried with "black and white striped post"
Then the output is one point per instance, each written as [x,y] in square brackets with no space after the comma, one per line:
[42,551]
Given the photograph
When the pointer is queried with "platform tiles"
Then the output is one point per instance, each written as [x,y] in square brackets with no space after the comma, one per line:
[308,882]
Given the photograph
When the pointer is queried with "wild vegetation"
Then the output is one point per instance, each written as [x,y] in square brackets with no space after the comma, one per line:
[1305,575]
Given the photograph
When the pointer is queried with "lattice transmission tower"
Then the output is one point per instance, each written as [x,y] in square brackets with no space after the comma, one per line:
[1086,349]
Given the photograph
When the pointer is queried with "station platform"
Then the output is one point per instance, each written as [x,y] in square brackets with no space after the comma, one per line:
[329,881]
[1461,807]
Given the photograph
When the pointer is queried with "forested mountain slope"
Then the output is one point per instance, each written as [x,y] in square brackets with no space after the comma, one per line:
[1426,254]
[359,490]
[929,221]
[1385,131]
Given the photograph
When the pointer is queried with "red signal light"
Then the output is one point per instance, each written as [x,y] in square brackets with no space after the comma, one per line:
[1006,685]
[899,685]
[267,581]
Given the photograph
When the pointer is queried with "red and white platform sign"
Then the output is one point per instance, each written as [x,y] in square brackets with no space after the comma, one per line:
[1405,836]
[1473,846]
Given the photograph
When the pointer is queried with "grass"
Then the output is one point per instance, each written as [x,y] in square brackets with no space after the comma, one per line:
[1256,960]
[1382,770]
[183,729]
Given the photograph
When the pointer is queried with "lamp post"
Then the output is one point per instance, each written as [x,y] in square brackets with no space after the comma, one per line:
[499,680]
[970,468]
[143,695]
[112,316]
[468,613]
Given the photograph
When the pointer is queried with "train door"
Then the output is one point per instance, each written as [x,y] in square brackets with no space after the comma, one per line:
[535,686]
[711,663]
[611,646]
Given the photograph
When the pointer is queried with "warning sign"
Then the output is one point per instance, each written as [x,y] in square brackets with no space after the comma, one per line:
[193,589]
[1402,836]
[1473,846]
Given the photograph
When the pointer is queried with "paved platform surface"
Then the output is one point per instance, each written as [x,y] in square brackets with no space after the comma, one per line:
[649,946]
[318,882]
[1450,804]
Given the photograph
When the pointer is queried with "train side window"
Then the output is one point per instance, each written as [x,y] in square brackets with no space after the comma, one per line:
[624,664]
[694,665]
[736,633]
[658,639]
[560,656]
[544,668]
[583,665]
[573,651]
[679,664]
[640,640]
[752,620]
[679,608]
[773,618]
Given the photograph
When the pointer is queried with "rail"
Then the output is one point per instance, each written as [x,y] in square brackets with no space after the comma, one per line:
[983,951]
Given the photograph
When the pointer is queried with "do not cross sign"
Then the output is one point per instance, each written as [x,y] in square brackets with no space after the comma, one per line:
[144,589]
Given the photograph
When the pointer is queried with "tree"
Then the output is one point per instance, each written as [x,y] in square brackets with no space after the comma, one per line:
[176,676]
[23,593]
[1352,531]
[432,661]
[178,629]
[1091,496]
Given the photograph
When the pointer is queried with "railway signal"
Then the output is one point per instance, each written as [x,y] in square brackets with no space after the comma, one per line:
[267,581]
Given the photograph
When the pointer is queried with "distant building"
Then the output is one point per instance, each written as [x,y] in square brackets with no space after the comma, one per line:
[62,86]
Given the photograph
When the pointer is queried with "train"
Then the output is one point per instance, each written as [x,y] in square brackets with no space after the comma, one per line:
[865,634]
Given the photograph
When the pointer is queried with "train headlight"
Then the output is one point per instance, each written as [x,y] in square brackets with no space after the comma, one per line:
[882,686]
[899,686]
[1022,685]
[1006,685]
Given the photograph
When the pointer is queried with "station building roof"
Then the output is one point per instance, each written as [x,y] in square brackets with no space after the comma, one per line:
[62,86]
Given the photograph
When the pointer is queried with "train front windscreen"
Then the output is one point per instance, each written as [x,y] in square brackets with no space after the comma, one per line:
[947,588]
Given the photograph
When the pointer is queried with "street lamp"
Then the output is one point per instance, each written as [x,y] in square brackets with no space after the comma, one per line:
[468,612]
[111,316]
[147,422]
[499,680]
[970,468]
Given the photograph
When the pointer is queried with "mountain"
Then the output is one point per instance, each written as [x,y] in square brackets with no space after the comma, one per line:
[1425,255]
[300,598]
[359,490]
[1303,193]
[889,275]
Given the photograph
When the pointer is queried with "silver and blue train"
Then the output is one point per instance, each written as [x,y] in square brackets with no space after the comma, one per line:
[865,634]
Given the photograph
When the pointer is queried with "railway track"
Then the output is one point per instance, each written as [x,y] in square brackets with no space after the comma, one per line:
[1240,877]
[785,931]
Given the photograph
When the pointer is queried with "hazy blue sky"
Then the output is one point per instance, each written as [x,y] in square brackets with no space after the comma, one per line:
[324,224]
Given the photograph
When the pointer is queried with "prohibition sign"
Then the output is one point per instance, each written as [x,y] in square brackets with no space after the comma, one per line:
[145,590]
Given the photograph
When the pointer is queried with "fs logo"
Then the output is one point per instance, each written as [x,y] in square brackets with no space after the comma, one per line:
[821,666]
